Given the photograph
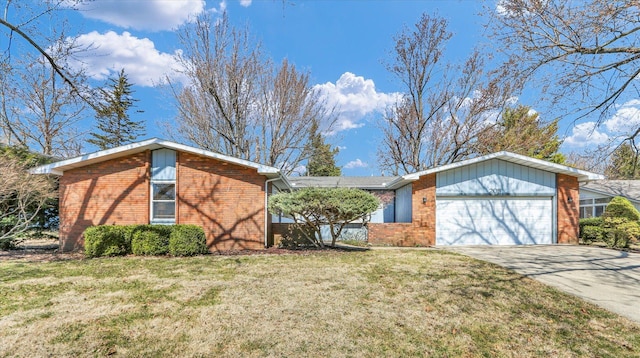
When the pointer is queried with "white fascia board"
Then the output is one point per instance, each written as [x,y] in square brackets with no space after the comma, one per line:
[59,167]
[582,175]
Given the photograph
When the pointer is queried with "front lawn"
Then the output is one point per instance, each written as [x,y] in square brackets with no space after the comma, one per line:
[324,304]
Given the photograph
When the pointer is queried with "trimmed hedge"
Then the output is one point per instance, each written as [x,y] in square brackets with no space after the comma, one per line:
[107,240]
[187,240]
[114,240]
[149,242]
[591,229]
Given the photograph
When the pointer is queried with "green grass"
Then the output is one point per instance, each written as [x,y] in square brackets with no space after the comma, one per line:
[338,304]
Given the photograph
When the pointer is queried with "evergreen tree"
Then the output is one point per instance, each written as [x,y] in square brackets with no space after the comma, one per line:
[522,132]
[624,164]
[114,125]
[322,159]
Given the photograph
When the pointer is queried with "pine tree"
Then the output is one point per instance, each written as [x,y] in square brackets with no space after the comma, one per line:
[522,132]
[624,164]
[115,128]
[322,159]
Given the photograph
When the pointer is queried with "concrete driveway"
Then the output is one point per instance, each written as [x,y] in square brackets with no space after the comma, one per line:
[608,278]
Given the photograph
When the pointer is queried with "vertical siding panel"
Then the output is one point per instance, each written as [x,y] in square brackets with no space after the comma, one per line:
[163,164]
[403,204]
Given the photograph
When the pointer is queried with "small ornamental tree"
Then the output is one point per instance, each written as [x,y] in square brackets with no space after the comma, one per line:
[313,208]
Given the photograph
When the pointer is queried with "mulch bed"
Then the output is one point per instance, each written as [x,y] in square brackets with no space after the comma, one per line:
[51,254]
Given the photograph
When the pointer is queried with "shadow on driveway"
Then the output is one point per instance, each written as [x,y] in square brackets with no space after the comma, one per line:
[608,278]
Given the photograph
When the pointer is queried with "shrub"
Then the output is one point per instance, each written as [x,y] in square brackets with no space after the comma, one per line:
[187,240]
[591,229]
[620,207]
[106,240]
[620,223]
[619,231]
[146,242]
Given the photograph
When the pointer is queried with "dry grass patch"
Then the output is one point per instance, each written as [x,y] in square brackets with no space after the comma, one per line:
[378,303]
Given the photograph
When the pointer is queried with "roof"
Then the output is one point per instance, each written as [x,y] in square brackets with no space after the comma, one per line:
[58,168]
[374,182]
[629,189]
[400,181]
[582,175]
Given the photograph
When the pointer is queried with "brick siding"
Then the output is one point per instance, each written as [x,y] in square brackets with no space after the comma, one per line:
[111,192]
[422,229]
[227,200]
[568,212]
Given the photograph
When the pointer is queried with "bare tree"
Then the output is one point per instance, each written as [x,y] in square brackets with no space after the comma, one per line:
[22,195]
[44,111]
[41,100]
[216,108]
[445,106]
[25,27]
[237,102]
[586,52]
[289,107]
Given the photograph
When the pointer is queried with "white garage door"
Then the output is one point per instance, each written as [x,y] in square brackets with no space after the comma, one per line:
[494,221]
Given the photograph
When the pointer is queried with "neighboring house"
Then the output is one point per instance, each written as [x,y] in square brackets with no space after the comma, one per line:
[596,195]
[497,199]
[158,181]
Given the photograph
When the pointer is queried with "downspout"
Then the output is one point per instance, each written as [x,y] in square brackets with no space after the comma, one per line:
[266,212]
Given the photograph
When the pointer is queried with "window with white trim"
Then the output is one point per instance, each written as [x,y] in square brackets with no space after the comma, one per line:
[163,186]
[593,207]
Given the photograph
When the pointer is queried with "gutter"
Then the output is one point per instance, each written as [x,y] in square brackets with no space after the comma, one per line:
[266,211]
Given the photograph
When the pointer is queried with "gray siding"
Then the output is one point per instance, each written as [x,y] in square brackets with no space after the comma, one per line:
[495,177]
[163,164]
[390,212]
[403,204]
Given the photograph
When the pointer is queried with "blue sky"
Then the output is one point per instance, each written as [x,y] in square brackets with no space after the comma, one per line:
[343,44]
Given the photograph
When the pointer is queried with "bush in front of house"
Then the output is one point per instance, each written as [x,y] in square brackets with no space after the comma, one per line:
[620,223]
[622,208]
[591,229]
[106,240]
[187,240]
[149,240]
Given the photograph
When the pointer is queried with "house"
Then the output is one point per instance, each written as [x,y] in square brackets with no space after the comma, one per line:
[161,182]
[596,195]
[498,199]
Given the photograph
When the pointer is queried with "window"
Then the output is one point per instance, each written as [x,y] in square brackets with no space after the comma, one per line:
[593,207]
[163,186]
[163,204]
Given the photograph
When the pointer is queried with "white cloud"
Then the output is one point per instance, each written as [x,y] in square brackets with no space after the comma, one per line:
[586,134]
[355,97]
[111,52]
[245,3]
[626,119]
[622,124]
[356,164]
[153,15]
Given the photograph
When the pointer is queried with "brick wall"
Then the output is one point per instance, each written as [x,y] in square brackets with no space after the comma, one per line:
[111,192]
[568,212]
[422,230]
[227,200]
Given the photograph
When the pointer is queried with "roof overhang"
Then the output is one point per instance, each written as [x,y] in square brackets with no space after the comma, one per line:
[581,175]
[58,168]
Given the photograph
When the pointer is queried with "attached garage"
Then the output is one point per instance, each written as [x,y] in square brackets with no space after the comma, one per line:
[495,202]
[494,221]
